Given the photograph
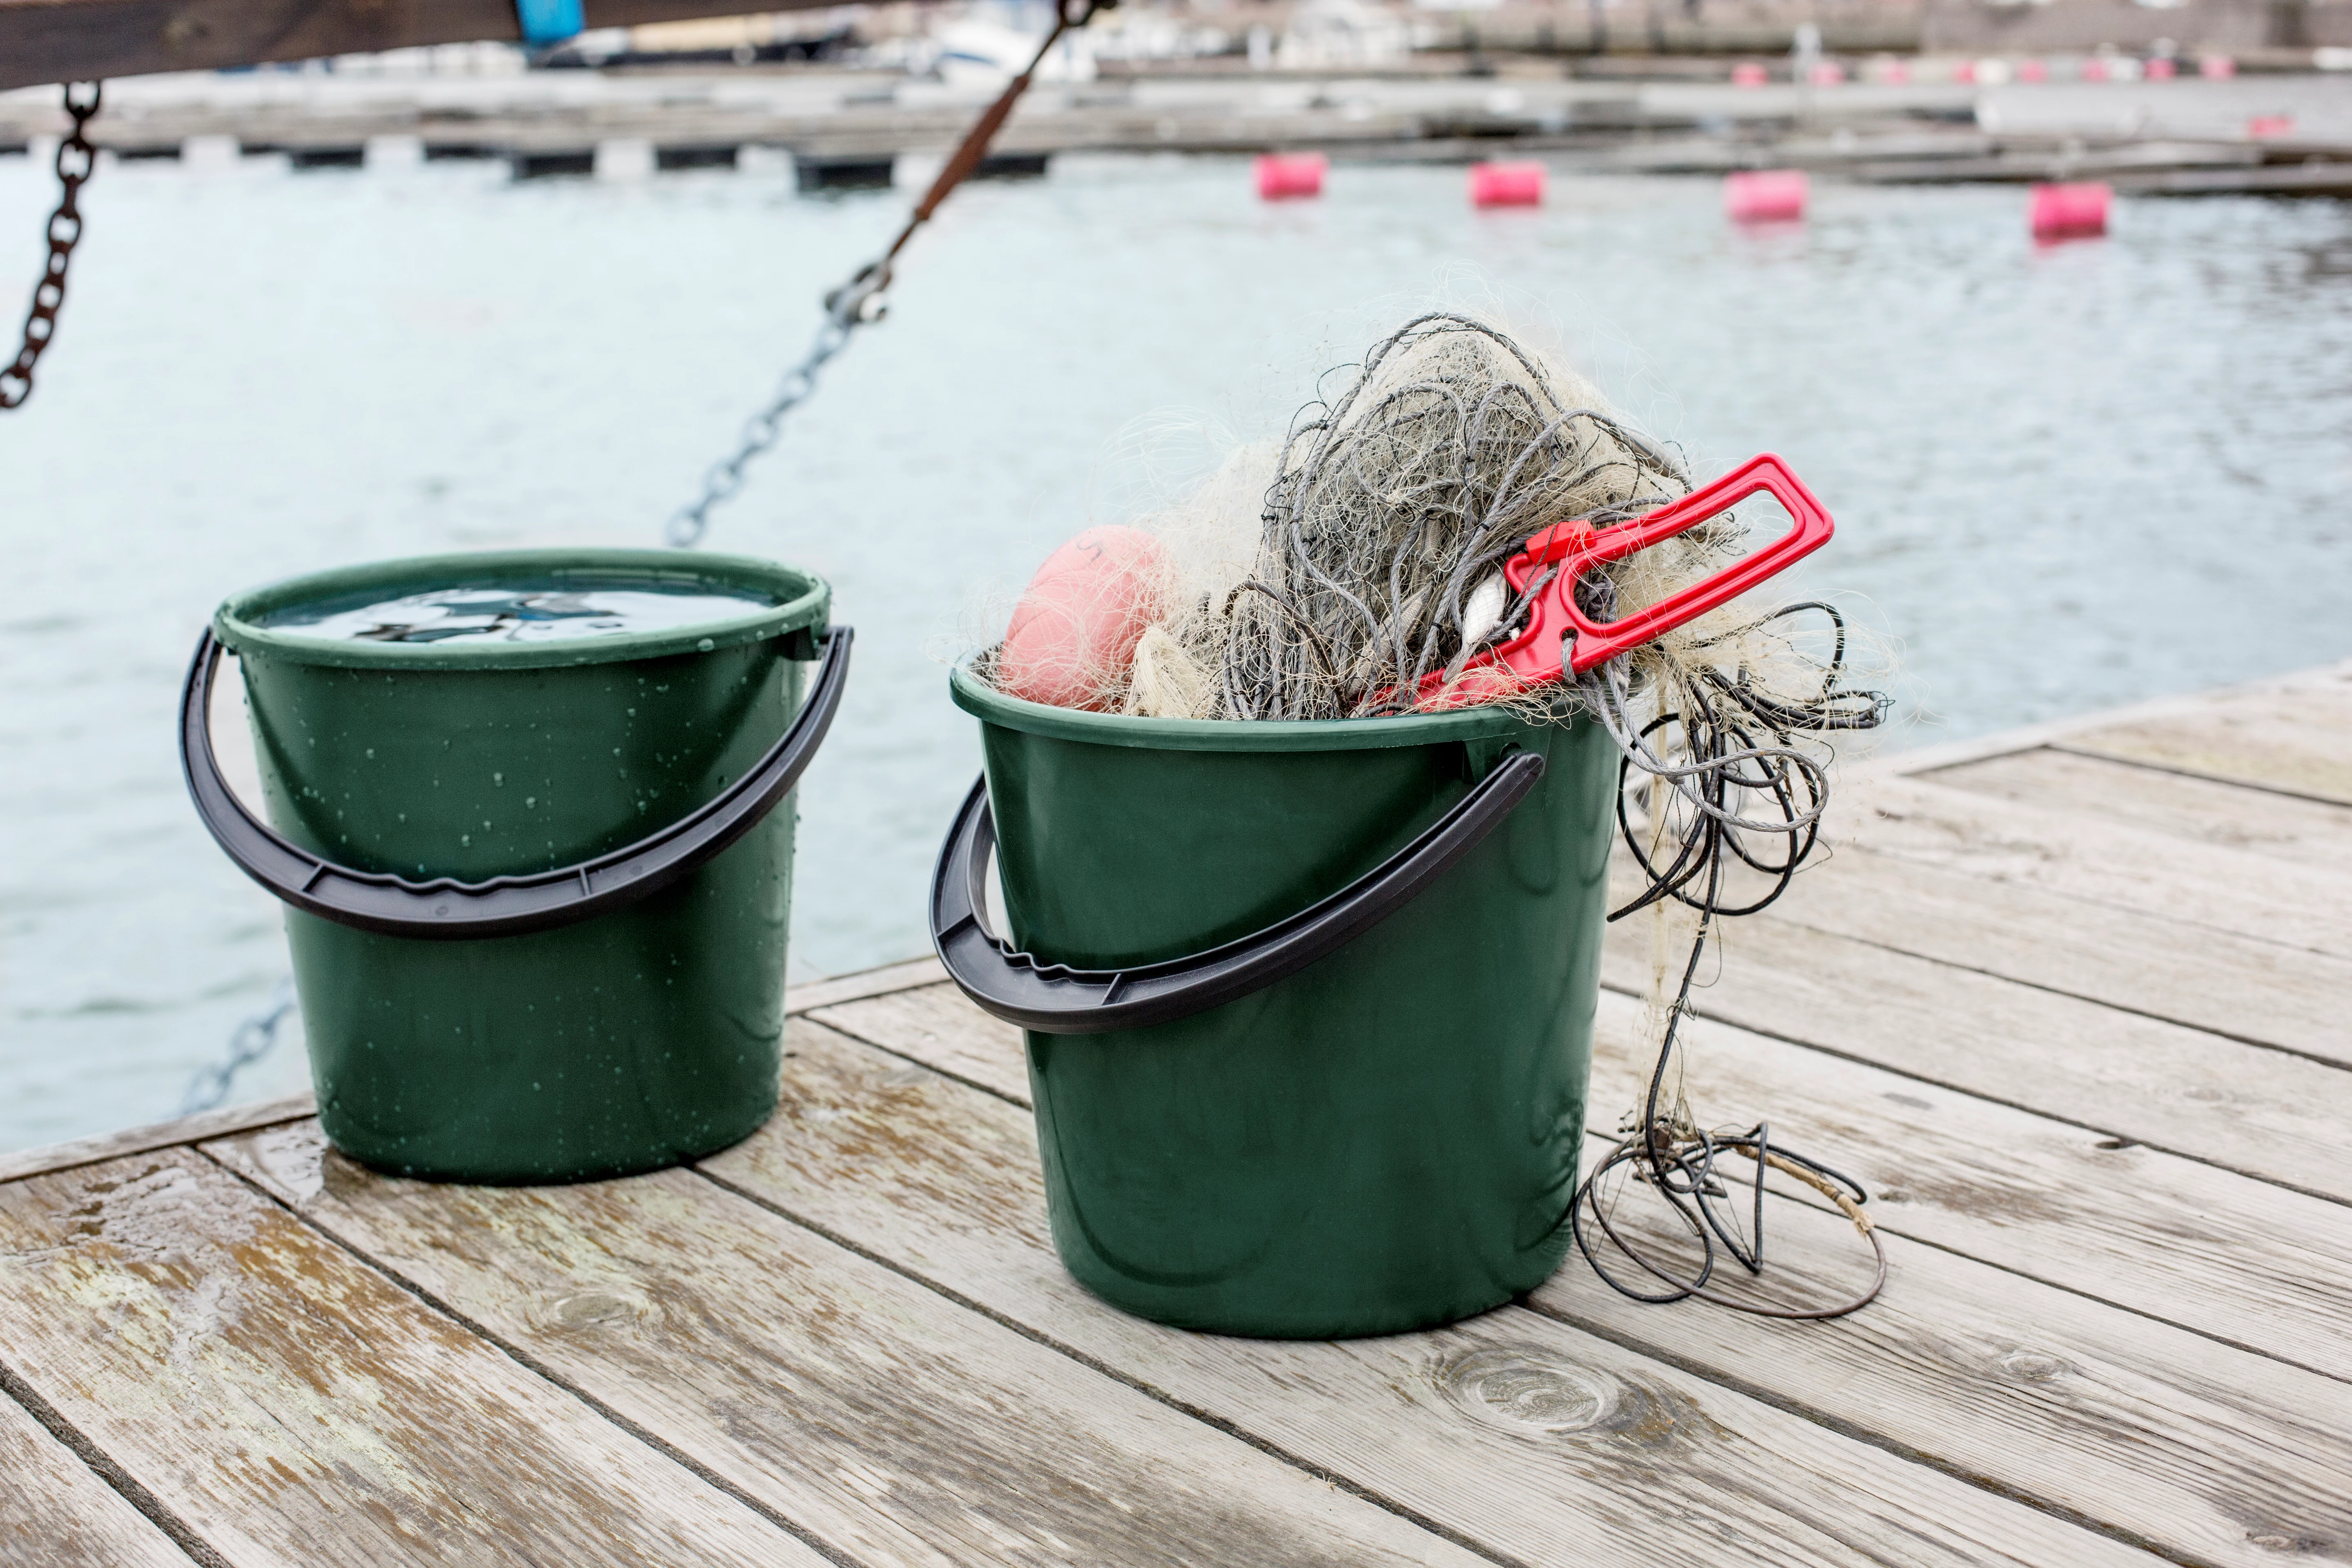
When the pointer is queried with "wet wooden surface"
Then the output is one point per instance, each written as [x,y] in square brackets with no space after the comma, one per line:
[2075,1004]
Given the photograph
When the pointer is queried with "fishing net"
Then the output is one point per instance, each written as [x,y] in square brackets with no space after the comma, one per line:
[1357,570]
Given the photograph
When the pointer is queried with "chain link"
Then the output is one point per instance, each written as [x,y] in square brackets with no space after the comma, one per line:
[252,1040]
[860,301]
[75,158]
[847,309]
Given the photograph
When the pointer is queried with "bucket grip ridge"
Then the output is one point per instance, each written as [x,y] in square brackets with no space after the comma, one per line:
[447,909]
[1055,999]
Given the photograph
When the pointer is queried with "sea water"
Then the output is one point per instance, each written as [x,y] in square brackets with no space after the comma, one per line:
[2064,477]
[517,615]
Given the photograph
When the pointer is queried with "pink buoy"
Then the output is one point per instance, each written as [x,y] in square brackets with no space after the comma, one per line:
[2033,70]
[1507,184]
[1283,175]
[2093,69]
[2263,127]
[1074,632]
[2070,212]
[1964,72]
[2216,67]
[1765,195]
[1748,73]
[1893,73]
[2160,69]
[1828,73]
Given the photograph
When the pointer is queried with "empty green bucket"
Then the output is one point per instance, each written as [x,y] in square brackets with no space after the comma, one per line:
[537,890]
[1355,1107]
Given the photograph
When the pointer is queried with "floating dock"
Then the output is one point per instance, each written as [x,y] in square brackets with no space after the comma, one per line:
[846,128]
[2075,1002]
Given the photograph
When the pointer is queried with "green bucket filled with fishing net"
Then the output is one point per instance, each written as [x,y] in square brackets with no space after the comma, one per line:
[530,812]
[1292,864]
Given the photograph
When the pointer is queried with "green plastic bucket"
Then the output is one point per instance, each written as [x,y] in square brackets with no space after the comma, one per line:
[538,891]
[1382,1136]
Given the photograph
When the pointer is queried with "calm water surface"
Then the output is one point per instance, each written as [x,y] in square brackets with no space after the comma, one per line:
[2064,479]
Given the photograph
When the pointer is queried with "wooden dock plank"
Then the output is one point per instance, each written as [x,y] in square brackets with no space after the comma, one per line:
[2295,739]
[155,1135]
[2079,851]
[53,1510]
[938,1027]
[896,1426]
[2207,1453]
[2284,828]
[2244,1107]
[2260,993]
[879,982]
[290,1403]
[1532,1439]
[2223,1255]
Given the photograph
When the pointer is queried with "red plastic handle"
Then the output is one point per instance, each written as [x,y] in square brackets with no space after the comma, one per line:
[1533,657]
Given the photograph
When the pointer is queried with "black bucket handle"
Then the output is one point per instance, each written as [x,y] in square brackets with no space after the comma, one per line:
[1054,999]
[448,910]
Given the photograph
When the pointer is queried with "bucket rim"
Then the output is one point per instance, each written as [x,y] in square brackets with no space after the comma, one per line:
[803,598]
[989,705]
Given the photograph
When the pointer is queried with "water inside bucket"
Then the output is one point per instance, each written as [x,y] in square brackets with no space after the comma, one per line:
[518,614]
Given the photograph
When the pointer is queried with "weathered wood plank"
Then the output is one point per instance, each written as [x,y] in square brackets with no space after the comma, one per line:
[2081,851]
[879,982]
[155,1135]
[2297,741]
[291,1403]
[2156,710]
[56,1512]
[895,1424]
[58,40]
[2244,1107]
[2212,1454]
[938,1028]
[2260,822]
[2261,993]
[1532,1439]
[2223,1255]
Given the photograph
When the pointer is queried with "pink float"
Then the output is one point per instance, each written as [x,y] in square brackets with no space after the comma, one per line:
[2263,127]
[1283,175]
[1748,73]
[1507,184]
[2160,69]
[2094,69]
[1073,633]
[1765,195]
[1966,71]
[1828,73]
[2070,212]
[2216,67]
[1893,73]
[2033,70]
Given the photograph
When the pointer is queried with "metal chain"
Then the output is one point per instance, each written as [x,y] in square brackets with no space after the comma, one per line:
[854,305]
[251,1041]
[861,300]
[75,158]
